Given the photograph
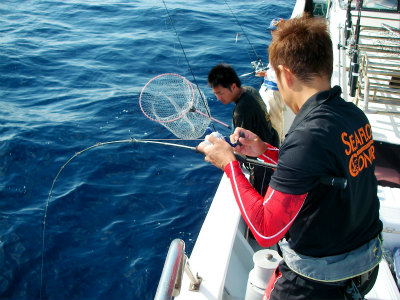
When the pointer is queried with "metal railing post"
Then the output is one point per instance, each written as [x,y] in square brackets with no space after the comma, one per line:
[171,277]
[172,271]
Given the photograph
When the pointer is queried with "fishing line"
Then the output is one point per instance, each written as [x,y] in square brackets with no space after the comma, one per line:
[259,62]
[131,140]
[187,61]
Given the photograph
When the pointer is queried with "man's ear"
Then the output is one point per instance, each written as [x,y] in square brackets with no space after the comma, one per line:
[286,75]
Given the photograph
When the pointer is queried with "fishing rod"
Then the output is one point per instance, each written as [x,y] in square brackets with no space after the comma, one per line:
[187,61]
[348,24]
[333,181]
[51,191]
[131,140]
[256,63]
[338,182]
[355,64]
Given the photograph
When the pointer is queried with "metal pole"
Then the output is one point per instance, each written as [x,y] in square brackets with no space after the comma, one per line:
[172,272]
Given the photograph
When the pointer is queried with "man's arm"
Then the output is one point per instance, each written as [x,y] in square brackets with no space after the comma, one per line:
[268,218]
[270,155]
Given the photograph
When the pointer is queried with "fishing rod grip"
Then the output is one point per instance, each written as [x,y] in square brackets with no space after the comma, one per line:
[244,159]
[240,158]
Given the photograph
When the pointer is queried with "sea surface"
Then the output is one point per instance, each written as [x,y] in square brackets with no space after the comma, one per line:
[71,73]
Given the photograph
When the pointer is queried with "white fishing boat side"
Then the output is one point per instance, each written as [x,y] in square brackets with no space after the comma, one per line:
[223,253]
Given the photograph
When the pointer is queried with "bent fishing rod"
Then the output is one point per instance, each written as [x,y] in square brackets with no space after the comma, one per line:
[99,144]
[328,180]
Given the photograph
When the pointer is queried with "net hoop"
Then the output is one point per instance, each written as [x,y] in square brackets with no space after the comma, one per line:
[182,113]
[173,101]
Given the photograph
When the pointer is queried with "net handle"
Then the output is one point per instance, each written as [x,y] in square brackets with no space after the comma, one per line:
[183,112]
[220,122]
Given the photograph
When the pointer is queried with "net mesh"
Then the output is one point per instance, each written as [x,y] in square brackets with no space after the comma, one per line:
[174,102]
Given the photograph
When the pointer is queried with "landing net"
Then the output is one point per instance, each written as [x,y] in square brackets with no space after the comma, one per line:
[174,102]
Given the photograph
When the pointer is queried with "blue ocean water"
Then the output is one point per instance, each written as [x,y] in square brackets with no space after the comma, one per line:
[70,76]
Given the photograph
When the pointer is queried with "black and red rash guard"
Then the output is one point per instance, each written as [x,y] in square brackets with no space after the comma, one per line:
[328,137]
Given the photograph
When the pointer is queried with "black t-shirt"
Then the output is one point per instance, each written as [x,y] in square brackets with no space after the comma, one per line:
[251,113]
[330,137]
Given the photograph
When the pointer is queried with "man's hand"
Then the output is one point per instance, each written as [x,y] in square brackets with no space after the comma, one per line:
[261,73]
[249,143]
[218,152]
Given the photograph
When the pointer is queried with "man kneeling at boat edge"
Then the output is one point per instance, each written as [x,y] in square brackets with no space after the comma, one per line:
[332,242]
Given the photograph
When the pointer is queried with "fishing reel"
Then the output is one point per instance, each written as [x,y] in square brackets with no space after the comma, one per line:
[209,131]
[257,66]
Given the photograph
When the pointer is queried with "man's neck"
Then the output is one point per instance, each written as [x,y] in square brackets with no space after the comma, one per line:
[303,92]
[240,92]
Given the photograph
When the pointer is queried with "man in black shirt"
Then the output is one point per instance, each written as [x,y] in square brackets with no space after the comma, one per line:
[250,113]
[329,236]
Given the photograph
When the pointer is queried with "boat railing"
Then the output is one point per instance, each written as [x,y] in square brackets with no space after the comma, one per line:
[171,277]
[379,74]
[380,83]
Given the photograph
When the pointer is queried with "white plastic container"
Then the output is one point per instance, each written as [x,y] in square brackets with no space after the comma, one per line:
[265,263]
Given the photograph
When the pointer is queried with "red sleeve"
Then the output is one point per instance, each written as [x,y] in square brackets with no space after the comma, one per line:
[268,218]
[270,155]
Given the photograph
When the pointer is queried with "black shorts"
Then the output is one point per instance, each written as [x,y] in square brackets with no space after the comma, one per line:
[286,284]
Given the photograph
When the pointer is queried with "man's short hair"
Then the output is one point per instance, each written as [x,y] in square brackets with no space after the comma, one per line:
[223,75]
[304,46]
